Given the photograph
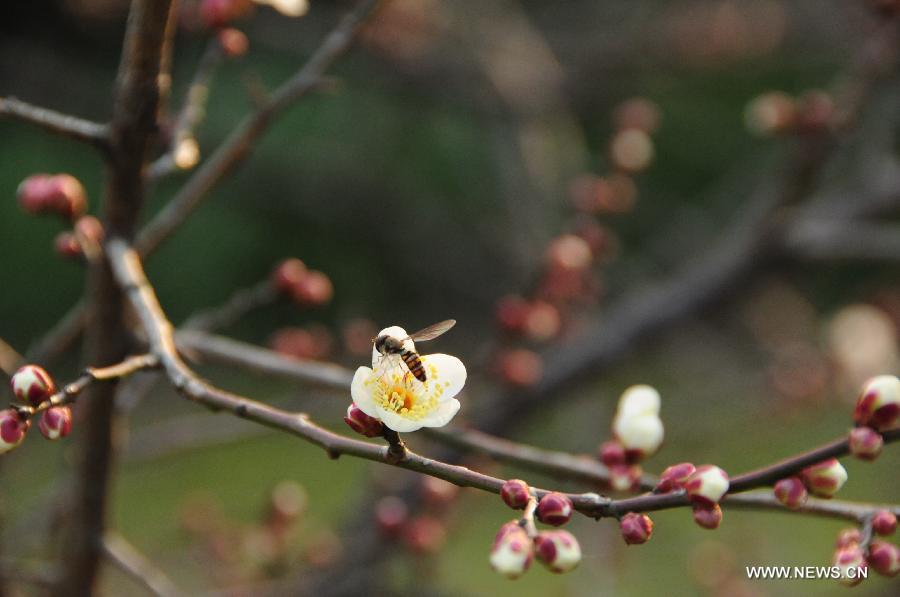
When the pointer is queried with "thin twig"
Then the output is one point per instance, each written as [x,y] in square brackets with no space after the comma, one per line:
[65,125]
[136,565]
[240,142]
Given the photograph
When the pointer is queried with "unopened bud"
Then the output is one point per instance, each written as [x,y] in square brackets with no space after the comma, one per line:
[770,114]
[288,274]
[515,493]
[424,535]
[56,422]
[32,384]
[878,405]
[625,477]
[636,528]
[884,557]
[554,509]
[637,113]
[542,322]
[708,517]
[631,150]
[707,485]
[791,492]
[569,252]
[12,429]
[637,424]
[511,312]
[362,423]
[520,367]
[865,443]
[848,537]
[612,453]
[512,551]
[313,289]
[851,561]
[233,42]
[61,194]
[825,478]
[391,514]
[438,492]
[557,550]
[66,245]
[674,477]
[884,523]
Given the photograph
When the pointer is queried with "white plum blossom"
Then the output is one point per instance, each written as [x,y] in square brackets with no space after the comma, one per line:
[637,424]
[289,8]
[389,392]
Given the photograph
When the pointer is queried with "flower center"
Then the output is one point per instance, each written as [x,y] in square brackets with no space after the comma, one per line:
[399,392]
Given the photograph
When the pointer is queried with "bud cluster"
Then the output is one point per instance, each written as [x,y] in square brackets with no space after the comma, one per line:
[34,387]
[59,194]
[518,542]
[776,113]
[880,555]
[304,286]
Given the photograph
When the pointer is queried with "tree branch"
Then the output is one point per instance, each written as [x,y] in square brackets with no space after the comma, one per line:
[64,125]
[136,565]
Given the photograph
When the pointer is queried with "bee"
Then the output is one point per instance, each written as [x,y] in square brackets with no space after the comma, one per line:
[387,344]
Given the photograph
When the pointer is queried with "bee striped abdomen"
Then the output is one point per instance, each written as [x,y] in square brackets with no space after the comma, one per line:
[414,364]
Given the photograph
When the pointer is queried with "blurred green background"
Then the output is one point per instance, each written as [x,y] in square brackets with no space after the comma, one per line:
[426,183]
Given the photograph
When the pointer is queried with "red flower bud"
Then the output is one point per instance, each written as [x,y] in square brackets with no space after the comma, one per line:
[56,422]
[674,477]
[511,312]
[625,477]
[90,229]
[771,113]
[66,245]
[878,406]
[708,517]
[569,252]
[512,551]
[612,452]
[554,509]
[542,322]
[515,493]
[32,384]
[61,194]
[637,113]
[218,13]
[362,423]
[424,535]
[12,429]
[707,485]
[884,523]
[791,492]
[884,557]
[391,513]
[557,550]
[851,560]
[847,537]
[825,478]
[357,336]
[313,289]
[233,42]
[865,443]
[636,528]
[288,274]
[631,150]
[520,367]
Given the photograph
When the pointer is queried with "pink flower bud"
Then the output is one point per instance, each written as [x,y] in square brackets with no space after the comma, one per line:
[865,443]
[515,493]
[884,557]
[233,42]
[625,477]
[884,523]
[314,289]
[391,514]
[424,535]
[878,405]
[520,367]
[636,528]
[848,537]
[708,517]
[357,336]
[511,312]
[554,509]
[32,384]
[512,551]
[569,252]
[612,452]
[637,113]
[61,194]
[438,492]
[287,502]
[825,478]
[631,150]
[674,477]
[56,422]
[791,492]
[851,561]
[288,274]
[12,429]
[771,113]
[362,423]
[557,550]
[66,245]
[218,13]
[707,485]
[542,321]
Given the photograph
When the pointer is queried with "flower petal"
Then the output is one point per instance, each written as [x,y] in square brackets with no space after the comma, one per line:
[443,415]
[362,394]
[399,423]
[445,369]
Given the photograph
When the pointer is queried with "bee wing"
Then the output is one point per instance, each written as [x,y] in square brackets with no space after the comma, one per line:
[432,331]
